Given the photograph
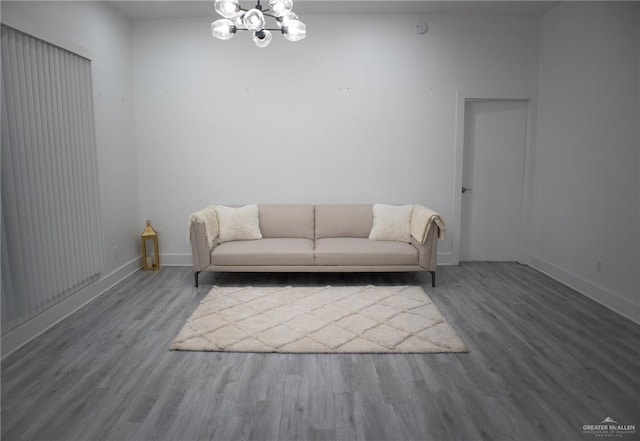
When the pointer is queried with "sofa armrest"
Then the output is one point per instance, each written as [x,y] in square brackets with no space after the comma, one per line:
[428,251]
[200,251]
[423,220]
[203,235]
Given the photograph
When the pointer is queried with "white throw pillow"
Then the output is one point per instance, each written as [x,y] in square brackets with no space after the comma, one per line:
[238,223]
[391,222]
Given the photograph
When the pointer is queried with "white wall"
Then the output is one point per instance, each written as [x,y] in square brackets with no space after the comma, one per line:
[363,110]
[106,35]
[586,202]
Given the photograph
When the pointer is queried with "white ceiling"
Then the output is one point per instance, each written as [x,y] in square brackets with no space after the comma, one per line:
[191,9]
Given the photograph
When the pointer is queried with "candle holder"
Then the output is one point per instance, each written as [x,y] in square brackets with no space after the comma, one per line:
[150,253]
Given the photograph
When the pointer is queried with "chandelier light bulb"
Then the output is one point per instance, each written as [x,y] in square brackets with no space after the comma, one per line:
[262,38]
[294,30]
[280,7]
[227,8]
[223,29]
[254,20]
[282,21]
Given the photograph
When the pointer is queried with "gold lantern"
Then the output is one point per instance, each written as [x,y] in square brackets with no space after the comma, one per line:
[150,254]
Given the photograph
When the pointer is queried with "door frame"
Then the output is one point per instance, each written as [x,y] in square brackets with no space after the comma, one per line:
[462,98]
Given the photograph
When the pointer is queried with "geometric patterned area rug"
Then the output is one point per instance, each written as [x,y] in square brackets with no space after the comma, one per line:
[331,319]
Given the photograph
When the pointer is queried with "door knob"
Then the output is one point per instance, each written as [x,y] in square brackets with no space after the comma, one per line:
[465,189]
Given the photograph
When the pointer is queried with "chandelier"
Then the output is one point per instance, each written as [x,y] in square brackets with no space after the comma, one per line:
[239,19]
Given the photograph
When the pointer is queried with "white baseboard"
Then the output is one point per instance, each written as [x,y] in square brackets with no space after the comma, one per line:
[175,259]
[595,292]
[22,334]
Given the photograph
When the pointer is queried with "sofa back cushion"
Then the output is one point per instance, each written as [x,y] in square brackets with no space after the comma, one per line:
[343,220]
[286,221]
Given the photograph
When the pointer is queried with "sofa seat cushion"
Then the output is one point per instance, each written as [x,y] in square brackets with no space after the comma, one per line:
[359,251]
[264,252]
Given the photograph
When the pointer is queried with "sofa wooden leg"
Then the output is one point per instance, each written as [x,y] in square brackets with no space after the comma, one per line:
[433,278]
[196,277]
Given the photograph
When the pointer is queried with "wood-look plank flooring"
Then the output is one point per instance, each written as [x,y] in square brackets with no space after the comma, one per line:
[543,361]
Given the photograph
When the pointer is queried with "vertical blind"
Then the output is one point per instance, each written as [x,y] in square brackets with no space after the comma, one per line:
[51,233]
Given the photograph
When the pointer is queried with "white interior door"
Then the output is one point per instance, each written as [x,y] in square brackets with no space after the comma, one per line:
[493,176]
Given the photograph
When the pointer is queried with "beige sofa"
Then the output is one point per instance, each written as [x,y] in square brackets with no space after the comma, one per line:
[316,238]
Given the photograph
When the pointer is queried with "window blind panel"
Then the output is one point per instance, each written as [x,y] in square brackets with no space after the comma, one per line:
[56,254]
[47,132]
[40,121]
[30,146]
[50,198]
[10,304]
[10,181]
